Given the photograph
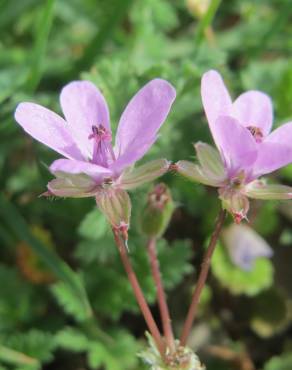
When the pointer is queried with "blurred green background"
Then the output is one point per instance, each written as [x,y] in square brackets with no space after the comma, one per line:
[65,302]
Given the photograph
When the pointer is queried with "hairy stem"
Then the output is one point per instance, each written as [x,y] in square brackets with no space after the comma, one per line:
[202,278]
[164,312]
[138,293]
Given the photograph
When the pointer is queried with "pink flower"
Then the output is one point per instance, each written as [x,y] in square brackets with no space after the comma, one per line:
[245,246]
[91,165]
[247,150]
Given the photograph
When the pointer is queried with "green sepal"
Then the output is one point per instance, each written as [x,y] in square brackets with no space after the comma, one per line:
[136,176]
[259,189]
[210,162]
[115,204]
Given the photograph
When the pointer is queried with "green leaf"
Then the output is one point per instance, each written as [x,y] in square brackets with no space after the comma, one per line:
[72,340]
[125,348]
[94,225]
[15,309]
[238,281]
[283,362]
[114,291]
[118,350]
[164,14]
[267,219]
[99,354]
[10,80]
[17,224]
[110,23]
[269,313]
[10,356]
[121,354]
[101,251]
[12,9]
[174,261]
[36,344]
[70,302]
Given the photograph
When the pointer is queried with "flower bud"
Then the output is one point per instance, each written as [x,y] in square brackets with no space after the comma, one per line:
[115,204]
[245,245]
[158,211]
[198,8]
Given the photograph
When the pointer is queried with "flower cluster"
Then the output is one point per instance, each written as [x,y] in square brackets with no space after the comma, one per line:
[93,167]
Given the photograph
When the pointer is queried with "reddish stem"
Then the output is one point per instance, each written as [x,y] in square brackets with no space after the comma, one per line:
[164,312]
[202,278]
[139,294]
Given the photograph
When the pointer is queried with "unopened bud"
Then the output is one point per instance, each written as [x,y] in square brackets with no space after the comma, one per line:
[115,204]
[158,211]
[198,8]
[245,245]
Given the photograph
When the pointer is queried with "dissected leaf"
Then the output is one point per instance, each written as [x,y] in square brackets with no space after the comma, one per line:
[239,281]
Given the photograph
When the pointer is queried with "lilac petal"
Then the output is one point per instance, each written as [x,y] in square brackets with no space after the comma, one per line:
[131,156]
[254,108]
[236,144]
[96,172]
[276,151]
[48,128]
[84,106]
[271,157]
[142,118]
[245,246]
[216,99]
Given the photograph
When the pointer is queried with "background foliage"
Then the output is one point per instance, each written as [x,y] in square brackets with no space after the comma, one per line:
[64,299]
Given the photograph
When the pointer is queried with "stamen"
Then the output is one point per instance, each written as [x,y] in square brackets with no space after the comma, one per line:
[103,153]
[100,133]
[256,133]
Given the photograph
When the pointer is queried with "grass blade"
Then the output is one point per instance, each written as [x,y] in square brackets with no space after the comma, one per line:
[13,357]
[41,41]
[206,20]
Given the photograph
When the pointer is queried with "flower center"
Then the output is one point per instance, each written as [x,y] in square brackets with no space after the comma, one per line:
[256,133]
[103,153]
[100,133]
[237,181]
